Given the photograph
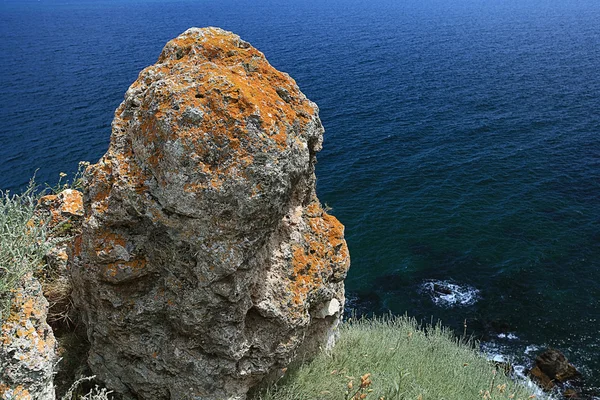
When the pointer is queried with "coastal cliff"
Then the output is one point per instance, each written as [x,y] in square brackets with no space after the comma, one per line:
[203,264]
[206,262]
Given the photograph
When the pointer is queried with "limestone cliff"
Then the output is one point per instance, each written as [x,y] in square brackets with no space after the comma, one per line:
[206,261]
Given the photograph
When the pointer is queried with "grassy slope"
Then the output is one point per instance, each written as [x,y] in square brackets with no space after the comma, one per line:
[405,362]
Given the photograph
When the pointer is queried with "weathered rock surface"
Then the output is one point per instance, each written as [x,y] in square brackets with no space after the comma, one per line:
[64,213]
[62,208]
[27,346]
[552,367]
[554,364]
[206,261]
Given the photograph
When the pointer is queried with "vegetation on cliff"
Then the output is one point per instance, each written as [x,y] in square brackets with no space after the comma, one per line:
[395,358]
[22,242]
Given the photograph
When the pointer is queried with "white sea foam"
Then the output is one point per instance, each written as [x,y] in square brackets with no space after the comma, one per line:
[498,358]
[509,336]
[496,352]
[531,348]
[449,294]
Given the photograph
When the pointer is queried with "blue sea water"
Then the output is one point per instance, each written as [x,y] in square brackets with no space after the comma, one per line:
[462,139]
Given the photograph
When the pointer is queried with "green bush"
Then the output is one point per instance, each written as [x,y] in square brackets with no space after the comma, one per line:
[22,241]
[394,358]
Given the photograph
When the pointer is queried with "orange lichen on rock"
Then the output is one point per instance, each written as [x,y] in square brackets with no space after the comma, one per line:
[202,233]
[322,256]
[101,174]
[124,271]
[106,241]
[17,393]
[72,202]
[62,207]
[27,345]
[216,89]
[76,247]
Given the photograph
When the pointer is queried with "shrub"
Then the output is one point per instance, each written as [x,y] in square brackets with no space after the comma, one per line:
[22,241]
[96,393]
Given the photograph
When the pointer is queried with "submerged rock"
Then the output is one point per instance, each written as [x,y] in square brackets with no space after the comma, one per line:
[27,346]
[206,262]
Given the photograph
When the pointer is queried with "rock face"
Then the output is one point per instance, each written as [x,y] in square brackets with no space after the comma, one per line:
[62,208]
[206,261]
[27,346]
[64,213]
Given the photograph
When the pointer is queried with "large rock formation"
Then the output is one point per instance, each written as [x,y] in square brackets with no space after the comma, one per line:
[206,261]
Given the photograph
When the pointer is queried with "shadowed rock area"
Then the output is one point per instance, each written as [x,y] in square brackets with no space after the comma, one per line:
[206,262]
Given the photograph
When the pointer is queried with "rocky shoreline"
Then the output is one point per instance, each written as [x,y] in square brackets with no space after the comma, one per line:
[546,369]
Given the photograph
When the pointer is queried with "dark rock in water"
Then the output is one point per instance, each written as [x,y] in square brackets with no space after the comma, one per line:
[551,369]
[541,379]
[555,365]
[492,329]
[499,326]
[441,289]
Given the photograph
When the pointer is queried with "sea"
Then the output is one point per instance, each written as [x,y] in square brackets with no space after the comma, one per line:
[462,144]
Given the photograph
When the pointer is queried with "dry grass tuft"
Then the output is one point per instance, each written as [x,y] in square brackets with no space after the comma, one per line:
[61,309]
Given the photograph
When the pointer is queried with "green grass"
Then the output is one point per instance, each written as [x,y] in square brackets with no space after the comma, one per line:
[405,362]
[22,242]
